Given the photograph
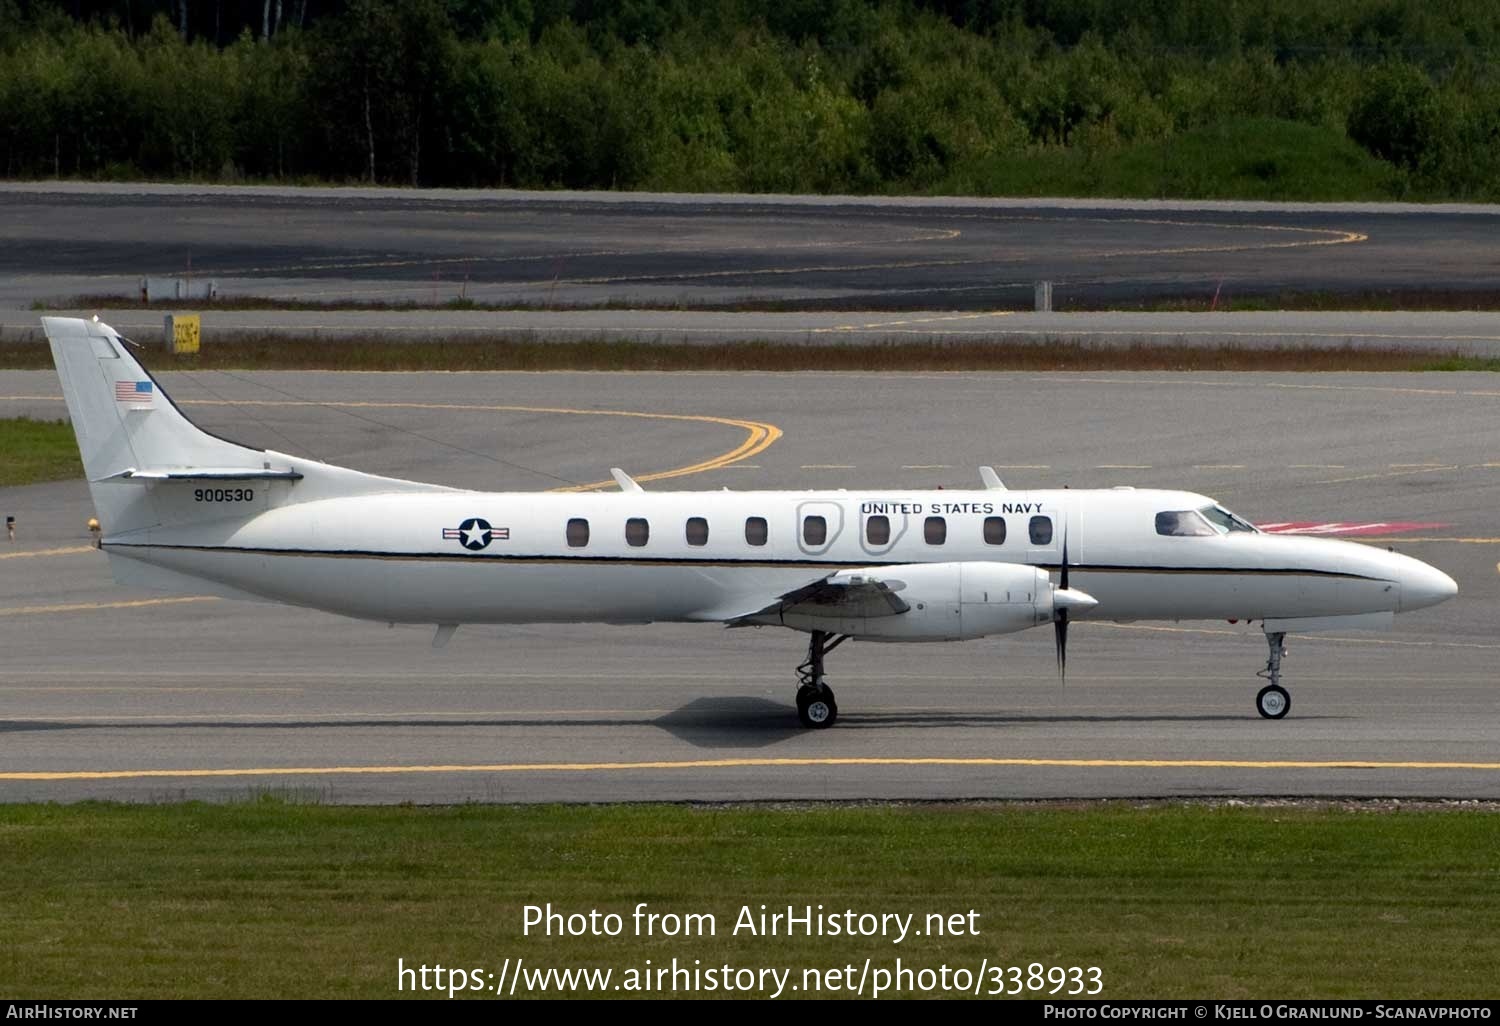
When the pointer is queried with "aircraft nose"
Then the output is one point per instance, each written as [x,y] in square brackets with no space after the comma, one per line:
[1423,586]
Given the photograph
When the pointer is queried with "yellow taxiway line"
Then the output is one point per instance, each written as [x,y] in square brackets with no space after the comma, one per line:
[712,764]
[82,607]
[35,553]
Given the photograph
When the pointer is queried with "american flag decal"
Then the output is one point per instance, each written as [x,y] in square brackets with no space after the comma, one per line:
[134,393]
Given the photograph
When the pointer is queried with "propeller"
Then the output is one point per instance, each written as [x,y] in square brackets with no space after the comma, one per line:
[1064,600]
[1060,616]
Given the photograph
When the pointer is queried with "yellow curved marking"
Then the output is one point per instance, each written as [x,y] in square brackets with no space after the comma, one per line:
[1326,237]
[34,553]
[1332,237]
[80,607]
[758,436]
[709,764]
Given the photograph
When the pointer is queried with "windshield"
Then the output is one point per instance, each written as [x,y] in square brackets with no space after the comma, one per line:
[1224,520]
[1183,524]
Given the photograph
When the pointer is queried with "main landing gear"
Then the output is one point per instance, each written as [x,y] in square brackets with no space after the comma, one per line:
[815,705]
[1273,702]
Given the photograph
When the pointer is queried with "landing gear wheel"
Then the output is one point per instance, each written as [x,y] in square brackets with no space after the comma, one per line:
[1273,701]
[816,707]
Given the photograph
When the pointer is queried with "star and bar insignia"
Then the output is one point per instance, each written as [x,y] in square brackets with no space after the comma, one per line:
[475,533]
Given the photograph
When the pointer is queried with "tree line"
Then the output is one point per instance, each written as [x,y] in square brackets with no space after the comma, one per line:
[1394,97]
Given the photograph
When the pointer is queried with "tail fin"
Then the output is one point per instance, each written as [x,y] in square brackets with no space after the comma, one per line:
[132,436]
[124,422]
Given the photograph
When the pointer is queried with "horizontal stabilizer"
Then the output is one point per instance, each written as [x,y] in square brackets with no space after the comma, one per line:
[204,474]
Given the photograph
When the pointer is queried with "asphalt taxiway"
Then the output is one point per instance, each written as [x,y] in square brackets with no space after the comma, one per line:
[109,692]
[630,250]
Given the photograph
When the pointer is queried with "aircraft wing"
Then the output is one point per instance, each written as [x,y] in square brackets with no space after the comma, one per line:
[848,593]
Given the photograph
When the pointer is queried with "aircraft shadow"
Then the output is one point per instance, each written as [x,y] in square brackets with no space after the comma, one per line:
[732,722]
[759,722]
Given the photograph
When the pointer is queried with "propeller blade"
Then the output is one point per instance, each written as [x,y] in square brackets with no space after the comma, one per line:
[1060,627]
[1060,617]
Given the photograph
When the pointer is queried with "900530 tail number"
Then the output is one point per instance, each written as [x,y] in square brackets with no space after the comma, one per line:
[224,494]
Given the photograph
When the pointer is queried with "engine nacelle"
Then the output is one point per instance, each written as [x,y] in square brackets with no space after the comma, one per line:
[948,602]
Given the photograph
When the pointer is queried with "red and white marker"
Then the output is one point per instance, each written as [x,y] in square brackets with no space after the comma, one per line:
[1350,527]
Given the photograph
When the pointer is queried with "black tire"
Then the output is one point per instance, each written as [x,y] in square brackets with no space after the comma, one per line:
[1273,702]
[816,707]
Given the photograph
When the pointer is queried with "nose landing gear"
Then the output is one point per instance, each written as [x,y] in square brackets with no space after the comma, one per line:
[1272,701]
[815,705]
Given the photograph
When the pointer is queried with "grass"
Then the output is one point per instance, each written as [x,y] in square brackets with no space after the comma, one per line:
[526,353]
[37,450]
[270,899]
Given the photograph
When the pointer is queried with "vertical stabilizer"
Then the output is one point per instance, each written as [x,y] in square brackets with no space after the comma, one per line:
[140,452]
[124,422]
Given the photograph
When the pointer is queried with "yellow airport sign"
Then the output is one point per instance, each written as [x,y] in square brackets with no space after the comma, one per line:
[183,333]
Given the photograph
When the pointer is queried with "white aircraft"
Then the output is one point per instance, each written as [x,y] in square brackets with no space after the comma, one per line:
[184,510]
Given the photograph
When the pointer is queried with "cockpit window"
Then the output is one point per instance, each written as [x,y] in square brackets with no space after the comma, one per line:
[1200,523]
[1183,524]
[1224,520]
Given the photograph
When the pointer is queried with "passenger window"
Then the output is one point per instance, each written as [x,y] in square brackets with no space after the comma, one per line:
[935,530]
[1041,530]
[814,530]
[697,531]
[994,530]
[1183,524]
[578,533]
[637,532]
[755,530]
[878,530]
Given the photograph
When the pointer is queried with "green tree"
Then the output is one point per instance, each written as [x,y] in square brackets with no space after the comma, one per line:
[383,69]
[1397,117]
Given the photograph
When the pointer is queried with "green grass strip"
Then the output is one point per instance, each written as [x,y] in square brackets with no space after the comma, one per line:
[276,899]
[37,450]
